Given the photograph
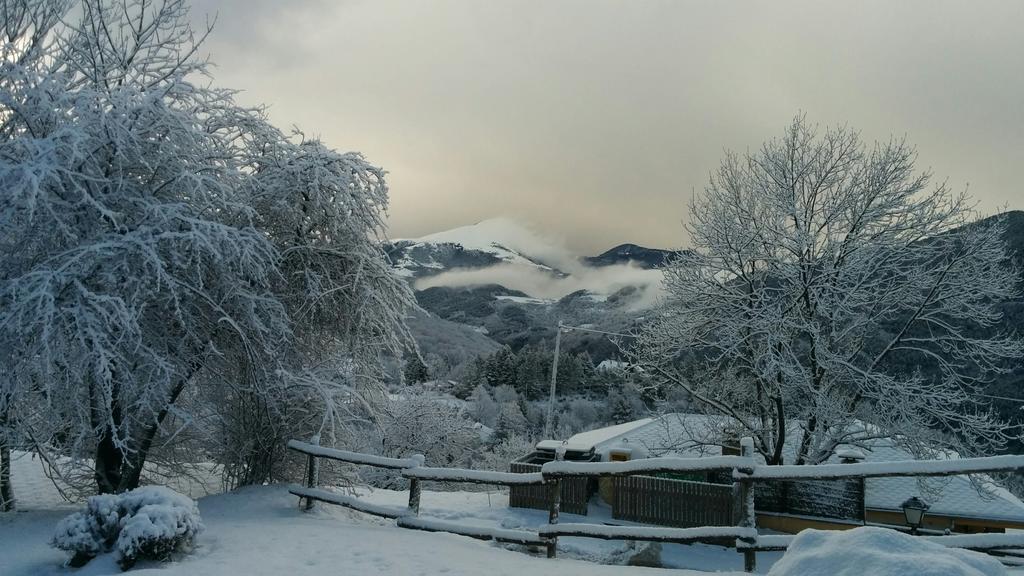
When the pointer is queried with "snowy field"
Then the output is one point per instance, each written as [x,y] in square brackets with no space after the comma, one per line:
[261,531]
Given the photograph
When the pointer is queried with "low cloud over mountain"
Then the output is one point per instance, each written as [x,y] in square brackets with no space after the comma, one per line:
[505,252]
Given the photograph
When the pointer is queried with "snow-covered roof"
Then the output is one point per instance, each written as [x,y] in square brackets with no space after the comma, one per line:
[690,435]
[597,438]
[609,365]
[569,446]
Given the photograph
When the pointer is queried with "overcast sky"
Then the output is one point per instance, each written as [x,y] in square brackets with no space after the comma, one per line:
[596,120]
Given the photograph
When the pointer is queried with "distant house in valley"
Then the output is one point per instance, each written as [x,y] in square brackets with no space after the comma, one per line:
[611,366]
[704,499]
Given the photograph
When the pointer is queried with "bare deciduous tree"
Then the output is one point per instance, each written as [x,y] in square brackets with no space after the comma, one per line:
[831,289]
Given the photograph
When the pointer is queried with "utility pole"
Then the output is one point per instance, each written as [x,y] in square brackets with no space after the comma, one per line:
[554,367]
[554,379]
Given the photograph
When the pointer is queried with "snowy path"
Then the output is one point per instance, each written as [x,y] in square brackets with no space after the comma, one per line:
[260,531]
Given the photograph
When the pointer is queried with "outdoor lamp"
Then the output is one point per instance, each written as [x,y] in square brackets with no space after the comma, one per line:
[914,509]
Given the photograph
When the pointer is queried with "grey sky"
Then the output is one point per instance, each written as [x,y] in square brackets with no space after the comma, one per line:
[595,120]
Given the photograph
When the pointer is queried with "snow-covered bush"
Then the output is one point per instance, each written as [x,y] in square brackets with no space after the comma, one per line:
[91,531]
[149,523]
[498,456]
[418,423]
[879,552]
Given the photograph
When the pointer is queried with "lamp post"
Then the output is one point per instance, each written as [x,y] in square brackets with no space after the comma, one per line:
[913,510]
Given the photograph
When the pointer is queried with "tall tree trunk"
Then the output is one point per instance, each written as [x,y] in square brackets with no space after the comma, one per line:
[6,489]
[133,471]
[109,464]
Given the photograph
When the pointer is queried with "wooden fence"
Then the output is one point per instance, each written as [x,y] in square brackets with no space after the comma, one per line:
[668,502]
[741,532]
[838,499]
[575,492]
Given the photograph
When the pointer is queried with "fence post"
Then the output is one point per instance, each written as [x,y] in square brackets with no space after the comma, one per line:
[862,486]
[743,505]
[414,487]
[312,472]
[414,497]
[555,501]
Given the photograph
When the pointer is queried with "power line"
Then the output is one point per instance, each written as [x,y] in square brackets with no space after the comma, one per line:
[582,329]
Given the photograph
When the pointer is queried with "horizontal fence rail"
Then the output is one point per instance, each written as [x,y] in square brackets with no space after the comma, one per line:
[350,502]
[955,467]
[567,469]
[648,533]
[474,476]
[524,537]
[355,457]
[549,483]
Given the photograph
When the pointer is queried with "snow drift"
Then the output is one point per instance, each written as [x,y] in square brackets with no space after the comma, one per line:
[879,552]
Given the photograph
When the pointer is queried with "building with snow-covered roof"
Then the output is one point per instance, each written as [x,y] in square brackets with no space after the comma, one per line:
[956,502]
[611,366]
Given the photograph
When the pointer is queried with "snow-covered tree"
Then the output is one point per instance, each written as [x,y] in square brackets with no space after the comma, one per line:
[418,423]
[832,289]
[532,373]
[511,421]
[163,247]
[501,368]
[483,407]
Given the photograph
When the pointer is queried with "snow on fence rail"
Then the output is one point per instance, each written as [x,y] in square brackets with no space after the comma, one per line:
[349,502]
[525,537]
[650,533]
[355,457]
[952,467]
[745,472]
[981,542]
[565,469]
[747,468]
[474,476]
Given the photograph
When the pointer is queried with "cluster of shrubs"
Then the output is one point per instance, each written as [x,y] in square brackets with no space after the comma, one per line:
[148,523]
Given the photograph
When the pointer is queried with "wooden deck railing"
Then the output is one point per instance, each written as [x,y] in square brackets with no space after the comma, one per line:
[741,531]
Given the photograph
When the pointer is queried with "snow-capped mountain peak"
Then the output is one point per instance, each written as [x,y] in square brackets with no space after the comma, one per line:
[486,243]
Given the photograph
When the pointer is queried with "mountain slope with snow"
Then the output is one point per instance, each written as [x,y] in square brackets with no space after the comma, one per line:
[511,283]
[487,243]
[640,256]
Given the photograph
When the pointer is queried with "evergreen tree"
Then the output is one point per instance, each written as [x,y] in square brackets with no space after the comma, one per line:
[476,376]
[532,372]
[415,371]
[570,372]
[588,374]
[625,404]
[511,422]
[501,368]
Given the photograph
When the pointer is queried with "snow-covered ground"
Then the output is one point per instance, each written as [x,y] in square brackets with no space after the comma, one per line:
[261,531]
[490,509]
